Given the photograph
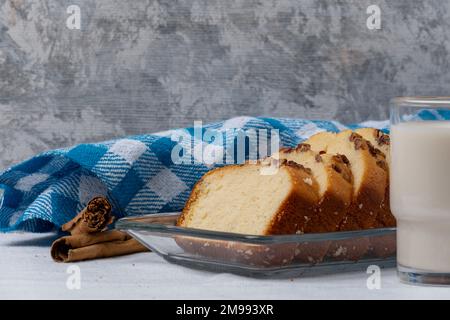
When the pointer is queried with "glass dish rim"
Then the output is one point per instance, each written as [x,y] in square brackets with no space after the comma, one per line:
[422,101]
[132,223]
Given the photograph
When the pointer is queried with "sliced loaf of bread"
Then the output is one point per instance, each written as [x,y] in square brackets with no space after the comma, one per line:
[369,170]
[378,139]
[245,199]
[381,141]
[334,179]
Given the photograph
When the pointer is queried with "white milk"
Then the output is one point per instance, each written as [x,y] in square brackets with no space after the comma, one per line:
[420,193]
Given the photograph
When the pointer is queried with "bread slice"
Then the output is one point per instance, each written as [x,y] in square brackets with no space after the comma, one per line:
[335,192]
[378,139]
[383,246]
[381,141]
[244,199]
[370,175]
[334,178]
[319,142]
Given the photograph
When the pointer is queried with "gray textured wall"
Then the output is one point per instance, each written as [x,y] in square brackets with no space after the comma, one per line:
[142,66]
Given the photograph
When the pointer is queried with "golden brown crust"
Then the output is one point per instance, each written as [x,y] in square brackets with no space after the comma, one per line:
[381,141]
[367,200]
[336,200]
[385,217]
[303,212]
[331,208]
[181,222]
[300,206]
[337,197]
[367,204]
[362,212]
[290,218]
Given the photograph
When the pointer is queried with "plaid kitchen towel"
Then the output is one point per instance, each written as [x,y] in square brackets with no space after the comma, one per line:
[136,173]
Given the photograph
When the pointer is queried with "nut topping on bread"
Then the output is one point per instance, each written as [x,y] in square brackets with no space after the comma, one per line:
[383,139]
[381,142]
[318,158]
[331,182]
[380,137]
[334,179]
[303,147]
[369,179]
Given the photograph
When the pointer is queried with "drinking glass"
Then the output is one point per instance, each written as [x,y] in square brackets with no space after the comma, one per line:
[420,188]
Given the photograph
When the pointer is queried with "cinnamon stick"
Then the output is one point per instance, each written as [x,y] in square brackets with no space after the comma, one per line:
[94,218]
[94,246]
[105,250]
[88,237]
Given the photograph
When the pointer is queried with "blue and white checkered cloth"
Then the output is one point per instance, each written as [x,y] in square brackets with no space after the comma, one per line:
[136,173]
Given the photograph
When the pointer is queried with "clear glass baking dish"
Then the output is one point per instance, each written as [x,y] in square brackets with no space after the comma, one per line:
[263,256]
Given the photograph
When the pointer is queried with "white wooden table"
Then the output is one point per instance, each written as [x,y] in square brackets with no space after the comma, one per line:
[27,272]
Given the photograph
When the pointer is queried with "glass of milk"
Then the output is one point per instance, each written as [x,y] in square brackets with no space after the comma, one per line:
[420,187]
